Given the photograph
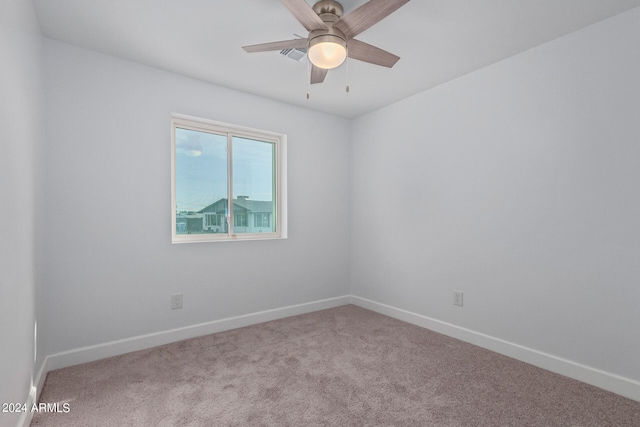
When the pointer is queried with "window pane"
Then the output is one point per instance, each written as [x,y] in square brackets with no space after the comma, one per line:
[253,185]
[201,182]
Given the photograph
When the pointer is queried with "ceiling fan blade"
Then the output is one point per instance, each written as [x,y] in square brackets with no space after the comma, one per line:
[367,15]
[284,44]
[304,14]
[318,74]
[371,54]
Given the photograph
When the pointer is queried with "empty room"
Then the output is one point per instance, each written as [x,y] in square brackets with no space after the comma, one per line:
[292,213]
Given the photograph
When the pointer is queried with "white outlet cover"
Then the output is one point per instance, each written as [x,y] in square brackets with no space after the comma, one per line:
[176,301]
[457,298]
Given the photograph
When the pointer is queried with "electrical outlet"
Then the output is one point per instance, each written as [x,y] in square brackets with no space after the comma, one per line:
[457,298]
[176,301]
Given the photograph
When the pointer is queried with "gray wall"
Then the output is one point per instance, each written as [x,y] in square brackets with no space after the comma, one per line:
[20,104]
[517,184]
[110,267]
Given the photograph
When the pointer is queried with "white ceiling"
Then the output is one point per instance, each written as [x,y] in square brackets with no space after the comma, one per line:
[437,40]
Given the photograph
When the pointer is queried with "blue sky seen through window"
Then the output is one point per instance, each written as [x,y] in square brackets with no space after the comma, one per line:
[201,169]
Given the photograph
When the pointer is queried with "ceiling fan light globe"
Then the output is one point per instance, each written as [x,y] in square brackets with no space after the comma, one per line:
[328,51]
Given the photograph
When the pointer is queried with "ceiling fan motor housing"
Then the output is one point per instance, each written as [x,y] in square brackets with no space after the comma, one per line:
[331,35]
[332,9]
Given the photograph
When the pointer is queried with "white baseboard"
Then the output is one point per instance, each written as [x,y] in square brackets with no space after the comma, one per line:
[27,416]
[614,383]
[127,345]
[34,394]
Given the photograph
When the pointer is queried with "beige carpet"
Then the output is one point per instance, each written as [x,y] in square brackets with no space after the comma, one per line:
[340,367]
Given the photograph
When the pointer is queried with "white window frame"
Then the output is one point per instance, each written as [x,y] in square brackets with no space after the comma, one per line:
[280,209]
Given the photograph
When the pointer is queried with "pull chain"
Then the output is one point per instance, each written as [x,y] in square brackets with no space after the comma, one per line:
[347,85]
[308,80]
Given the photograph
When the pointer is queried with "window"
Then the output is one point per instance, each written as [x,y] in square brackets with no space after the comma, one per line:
[241,220]
[227,182]
[261,220]
[212,220]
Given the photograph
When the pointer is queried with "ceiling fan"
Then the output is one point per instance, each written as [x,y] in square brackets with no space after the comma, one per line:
[331,35]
